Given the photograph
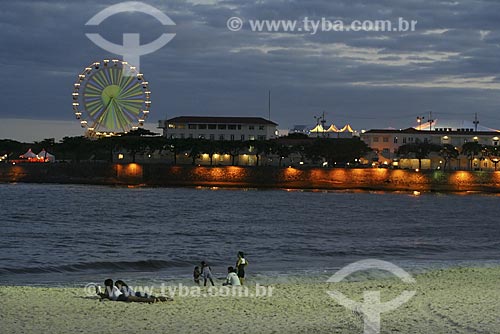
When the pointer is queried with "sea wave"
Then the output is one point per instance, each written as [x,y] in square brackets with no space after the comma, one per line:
[143,265]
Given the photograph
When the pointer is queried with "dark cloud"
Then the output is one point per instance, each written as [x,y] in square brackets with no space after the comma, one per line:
[370,79]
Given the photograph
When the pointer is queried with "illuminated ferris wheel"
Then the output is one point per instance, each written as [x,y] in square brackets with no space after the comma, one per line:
[111,97]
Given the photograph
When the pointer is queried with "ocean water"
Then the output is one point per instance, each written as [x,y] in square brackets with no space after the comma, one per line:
[70,234]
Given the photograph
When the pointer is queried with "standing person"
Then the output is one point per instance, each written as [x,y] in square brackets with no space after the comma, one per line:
[206,272]
[240,266]
[196,275]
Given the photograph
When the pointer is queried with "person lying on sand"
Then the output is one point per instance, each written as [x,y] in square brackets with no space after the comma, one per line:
[127,291]
[111,292]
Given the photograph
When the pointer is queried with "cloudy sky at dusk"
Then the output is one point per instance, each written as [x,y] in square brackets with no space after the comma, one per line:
[449,65]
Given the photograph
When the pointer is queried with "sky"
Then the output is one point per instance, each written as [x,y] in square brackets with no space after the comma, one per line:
[449,65]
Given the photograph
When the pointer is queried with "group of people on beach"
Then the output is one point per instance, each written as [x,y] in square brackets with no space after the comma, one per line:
[235,275]
[121,292]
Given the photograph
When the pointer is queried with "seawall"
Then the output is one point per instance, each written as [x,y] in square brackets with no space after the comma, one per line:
[253,177]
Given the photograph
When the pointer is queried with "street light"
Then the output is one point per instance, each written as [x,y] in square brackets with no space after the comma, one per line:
[495,161]
[420,119]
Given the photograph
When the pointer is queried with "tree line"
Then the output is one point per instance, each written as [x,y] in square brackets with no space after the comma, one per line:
[472,150]
[143,142]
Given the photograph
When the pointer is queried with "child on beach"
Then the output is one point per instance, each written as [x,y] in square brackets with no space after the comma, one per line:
[196,275]
[240,265]
[206,272]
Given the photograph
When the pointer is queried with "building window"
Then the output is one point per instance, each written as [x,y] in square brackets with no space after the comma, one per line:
[242,137]
[495,143]
[231,127]
[232,137]
[375,139]
[212,137]
[181,126]
[221,137]
[411,139]
[385,139]
[251,137]
[261,137]
[221,126]
[404,140]
[385,151]
[239,126]
[192,126]
[395,140]
[251,127]
[202,126]
[261,127]
[212,126]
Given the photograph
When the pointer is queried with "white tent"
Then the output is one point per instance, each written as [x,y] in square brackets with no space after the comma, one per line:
[347,128]
[46,156]
[318,129]
[332,128]
[28,155]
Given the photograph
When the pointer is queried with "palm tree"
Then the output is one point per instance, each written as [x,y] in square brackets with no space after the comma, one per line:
[493,154]
[471,150]
[260,147]
[419,150]
[233,148]
[448,152]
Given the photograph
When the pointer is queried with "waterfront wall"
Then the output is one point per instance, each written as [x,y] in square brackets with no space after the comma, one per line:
[254,177]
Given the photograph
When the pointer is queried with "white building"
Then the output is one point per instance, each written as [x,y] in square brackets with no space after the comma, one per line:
[219,128]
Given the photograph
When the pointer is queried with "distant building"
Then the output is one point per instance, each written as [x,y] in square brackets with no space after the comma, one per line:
[219,128]
[299,129]
[386,142]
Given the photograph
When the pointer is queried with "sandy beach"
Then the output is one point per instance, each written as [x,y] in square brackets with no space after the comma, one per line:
[458,300]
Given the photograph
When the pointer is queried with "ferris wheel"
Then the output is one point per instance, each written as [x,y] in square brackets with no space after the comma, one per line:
[111,97]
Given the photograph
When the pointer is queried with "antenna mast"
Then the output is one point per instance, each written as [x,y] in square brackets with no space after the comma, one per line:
[476,122]
[269,105]
[430,121]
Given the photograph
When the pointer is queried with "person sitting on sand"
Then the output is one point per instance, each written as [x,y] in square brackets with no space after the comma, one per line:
[240,265]
[127,291]
[232,278]
[206,272]
[113,293]
[196,275]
